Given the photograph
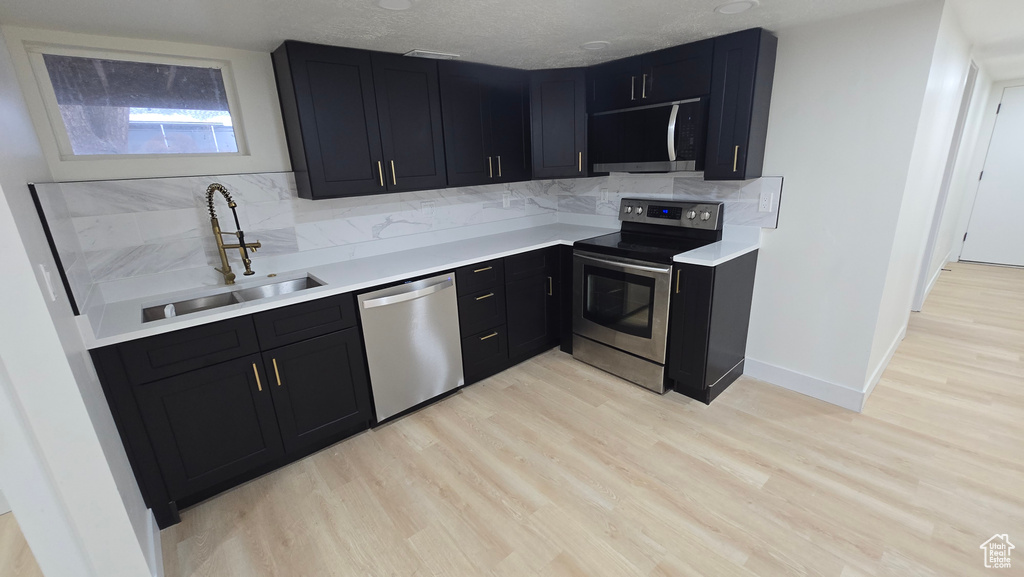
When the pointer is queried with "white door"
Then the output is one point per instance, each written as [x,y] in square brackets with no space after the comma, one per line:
[996,231]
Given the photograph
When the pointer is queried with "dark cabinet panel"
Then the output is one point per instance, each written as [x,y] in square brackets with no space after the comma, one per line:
[330,116]
[320,388]
[484,354]
[558,103]
[409,111]
[479,311]
[677,73]
[485,111]
[614,85]
[210,425]
[480,276]
[536,262]
[169,354]
[741,89]
[532,305]
[291,324]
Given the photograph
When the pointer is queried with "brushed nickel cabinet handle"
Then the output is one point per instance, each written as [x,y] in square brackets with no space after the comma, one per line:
[490,168]
[581,162]
[380,171]
[488,336]
[394,177]
[735,157]
[486,296]
[643,88]
[276,373]
[632,87]
[483,269]
[551,290]
[499,166]
[256,372]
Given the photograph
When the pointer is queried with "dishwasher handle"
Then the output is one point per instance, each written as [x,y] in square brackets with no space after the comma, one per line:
[408,296]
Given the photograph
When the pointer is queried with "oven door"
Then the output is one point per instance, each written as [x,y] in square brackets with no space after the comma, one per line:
[622,303]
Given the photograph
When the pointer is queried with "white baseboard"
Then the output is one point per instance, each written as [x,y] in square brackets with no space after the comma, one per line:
[154,549]
[876,375]
[834,393]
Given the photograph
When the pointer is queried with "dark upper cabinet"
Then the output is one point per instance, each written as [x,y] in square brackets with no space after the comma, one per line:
[409,113]
[320,388]
[485,112]
[349,114]
[676,73]
[741,91]
[210,425]
[532,302]
[614,85]
[558,114]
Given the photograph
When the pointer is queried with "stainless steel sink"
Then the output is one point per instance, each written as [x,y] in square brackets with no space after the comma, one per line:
[179,308]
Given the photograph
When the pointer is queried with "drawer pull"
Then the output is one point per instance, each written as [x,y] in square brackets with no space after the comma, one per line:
[276,373]
[678,272]
[486,296]
[256,372]
[488,336]
[483,269]
[550,287]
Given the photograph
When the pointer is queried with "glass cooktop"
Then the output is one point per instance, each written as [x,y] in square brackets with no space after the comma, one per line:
[639,246]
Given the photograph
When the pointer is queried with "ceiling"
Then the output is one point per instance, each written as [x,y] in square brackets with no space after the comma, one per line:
[519,33]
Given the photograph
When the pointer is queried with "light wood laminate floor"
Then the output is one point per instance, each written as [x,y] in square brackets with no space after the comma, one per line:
[16,558]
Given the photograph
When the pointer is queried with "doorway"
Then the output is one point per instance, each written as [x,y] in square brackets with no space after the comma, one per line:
[995,233]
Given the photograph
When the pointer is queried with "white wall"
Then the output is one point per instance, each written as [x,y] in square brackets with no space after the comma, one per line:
[937,122]
[64,468]
[4,506]
[258,112]
[845,107]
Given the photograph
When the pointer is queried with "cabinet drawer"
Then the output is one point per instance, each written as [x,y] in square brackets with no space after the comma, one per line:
[170,354]
[485,354]
[477,277]
[478,311]
[533,263]
[295,323]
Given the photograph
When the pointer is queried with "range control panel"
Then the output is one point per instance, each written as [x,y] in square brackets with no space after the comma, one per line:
[684,214]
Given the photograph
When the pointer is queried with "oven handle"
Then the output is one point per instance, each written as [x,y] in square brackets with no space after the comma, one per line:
[627,266]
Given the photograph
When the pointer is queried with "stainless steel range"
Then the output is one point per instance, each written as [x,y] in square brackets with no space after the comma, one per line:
[622,285]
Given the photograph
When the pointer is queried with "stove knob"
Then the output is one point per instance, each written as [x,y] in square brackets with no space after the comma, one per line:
[706,215]
[629,209]
[639,210]
[691,214]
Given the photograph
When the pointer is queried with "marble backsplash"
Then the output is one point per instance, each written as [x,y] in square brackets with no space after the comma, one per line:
[129,238]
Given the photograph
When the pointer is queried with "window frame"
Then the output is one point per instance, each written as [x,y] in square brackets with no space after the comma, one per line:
[36,50]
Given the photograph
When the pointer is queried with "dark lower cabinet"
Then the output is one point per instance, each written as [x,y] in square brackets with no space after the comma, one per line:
[532,305]
[320,388]
[484,354]
[708,324]
[210,425]
[741,92]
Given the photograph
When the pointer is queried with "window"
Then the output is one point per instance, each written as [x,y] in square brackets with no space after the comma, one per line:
[111,105]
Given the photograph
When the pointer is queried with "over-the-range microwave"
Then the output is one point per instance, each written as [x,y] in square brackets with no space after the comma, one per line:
[665,137]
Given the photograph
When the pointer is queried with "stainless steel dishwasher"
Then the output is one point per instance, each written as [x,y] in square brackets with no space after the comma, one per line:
[413,345]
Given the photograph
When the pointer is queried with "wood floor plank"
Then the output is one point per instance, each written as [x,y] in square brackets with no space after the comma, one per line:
[556,468]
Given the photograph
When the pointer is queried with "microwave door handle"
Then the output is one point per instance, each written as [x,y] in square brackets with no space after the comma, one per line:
[672,133]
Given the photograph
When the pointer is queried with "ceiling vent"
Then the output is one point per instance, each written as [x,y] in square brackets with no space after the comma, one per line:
[431,54]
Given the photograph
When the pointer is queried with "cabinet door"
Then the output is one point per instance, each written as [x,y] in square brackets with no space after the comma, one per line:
[509,111]
[689,325]
[744,66]
[466,120]
[677,73]
[210,425]
[558,114]
[409,111]
[532,311]
[614,85]
[320,388]
[330,115]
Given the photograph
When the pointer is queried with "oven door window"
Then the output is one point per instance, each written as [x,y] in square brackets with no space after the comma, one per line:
[619,301]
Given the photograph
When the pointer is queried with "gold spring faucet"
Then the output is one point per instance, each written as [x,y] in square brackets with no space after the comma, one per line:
[242,246]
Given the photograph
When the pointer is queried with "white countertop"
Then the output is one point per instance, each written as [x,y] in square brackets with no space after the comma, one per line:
[122,321]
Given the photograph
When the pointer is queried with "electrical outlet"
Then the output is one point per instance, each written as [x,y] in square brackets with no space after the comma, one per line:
[765,204]
[506,200]
[48,281]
